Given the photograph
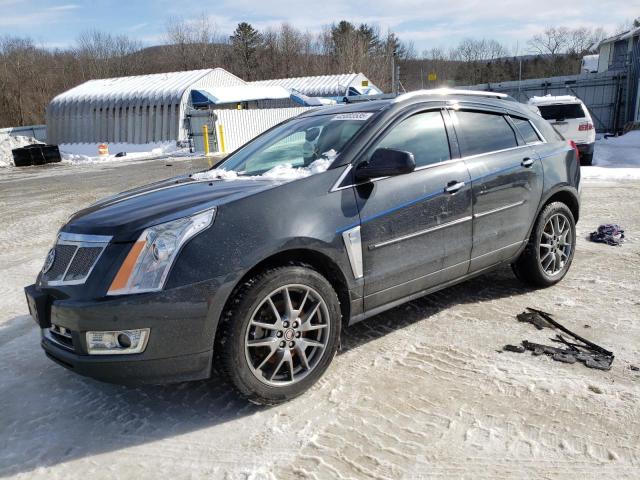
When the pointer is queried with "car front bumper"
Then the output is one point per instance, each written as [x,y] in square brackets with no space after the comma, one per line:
[182,327]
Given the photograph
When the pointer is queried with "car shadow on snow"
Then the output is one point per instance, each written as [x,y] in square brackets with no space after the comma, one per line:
[51,416]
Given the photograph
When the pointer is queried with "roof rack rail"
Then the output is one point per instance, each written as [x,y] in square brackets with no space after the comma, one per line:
[368,98]
[451,91]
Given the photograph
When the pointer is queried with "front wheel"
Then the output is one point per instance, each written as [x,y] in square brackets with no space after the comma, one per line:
[549,253]
[280,334]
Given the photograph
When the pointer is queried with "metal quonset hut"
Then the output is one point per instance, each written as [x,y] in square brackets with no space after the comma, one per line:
[328,86]
[139,109]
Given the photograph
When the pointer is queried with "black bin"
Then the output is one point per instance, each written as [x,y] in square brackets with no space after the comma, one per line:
[36,154]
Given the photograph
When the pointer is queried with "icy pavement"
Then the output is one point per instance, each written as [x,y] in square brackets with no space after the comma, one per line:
[417,392]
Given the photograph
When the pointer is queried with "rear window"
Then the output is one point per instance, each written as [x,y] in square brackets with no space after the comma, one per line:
[526,130]
[483,132]
[561,112]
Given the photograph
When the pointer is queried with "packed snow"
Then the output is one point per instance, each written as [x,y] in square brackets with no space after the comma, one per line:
[616,158]
[419,391]
[8,143]
[284,172]
[82,153]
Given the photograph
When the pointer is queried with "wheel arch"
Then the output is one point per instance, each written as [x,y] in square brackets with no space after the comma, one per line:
[565,194]
[314,259]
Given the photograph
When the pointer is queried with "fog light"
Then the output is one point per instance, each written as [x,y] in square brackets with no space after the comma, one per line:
[117,342]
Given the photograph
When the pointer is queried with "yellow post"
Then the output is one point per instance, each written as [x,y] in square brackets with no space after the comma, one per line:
[221,138]
[205,138]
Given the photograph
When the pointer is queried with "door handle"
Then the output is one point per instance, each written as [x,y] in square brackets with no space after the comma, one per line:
[453,186]
[527,162]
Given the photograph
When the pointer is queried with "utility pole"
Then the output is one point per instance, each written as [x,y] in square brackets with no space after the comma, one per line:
[394,88]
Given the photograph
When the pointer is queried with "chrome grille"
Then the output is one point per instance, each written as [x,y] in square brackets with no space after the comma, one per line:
[82,262]
[75,257]
[64,254]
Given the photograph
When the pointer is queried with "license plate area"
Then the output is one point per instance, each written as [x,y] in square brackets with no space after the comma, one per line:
[39,306]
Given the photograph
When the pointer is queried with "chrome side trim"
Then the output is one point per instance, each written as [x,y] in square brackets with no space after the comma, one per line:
[499,209]
[353,244]
[336,186]
[419,233]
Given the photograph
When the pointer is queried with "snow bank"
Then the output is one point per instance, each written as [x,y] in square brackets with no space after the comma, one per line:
[8,143]
[607,173]
[82,153]
[615,158]
[617,152]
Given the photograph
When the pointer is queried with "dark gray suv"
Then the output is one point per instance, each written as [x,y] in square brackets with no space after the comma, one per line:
[334,216]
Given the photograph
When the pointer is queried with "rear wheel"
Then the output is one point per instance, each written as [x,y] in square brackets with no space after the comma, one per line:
[280,334]
[549,253]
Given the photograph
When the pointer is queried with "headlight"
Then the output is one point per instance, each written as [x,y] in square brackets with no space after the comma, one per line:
[146,267]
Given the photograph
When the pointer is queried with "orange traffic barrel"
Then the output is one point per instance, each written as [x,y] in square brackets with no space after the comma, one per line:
[103,150]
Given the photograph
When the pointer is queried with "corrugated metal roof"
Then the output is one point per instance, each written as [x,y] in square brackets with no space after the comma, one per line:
[137,109]
[167,87]
[317,86]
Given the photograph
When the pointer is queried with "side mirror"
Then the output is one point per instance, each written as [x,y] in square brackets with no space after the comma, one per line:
[386,162]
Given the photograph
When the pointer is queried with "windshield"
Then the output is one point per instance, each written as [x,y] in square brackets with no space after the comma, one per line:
[297,144]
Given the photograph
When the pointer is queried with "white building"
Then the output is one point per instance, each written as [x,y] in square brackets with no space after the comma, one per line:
[615,52]
[328,86]
[170,107]
[138,109]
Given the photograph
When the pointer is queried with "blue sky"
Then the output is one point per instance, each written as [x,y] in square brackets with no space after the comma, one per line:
[427,23]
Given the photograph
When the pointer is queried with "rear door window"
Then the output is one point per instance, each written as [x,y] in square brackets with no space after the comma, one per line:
[561,112]
[480,132]
[526,130]
[423,134]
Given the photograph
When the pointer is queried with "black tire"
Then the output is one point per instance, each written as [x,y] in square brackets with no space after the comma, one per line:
[529,267]
[586,159]
[232,353]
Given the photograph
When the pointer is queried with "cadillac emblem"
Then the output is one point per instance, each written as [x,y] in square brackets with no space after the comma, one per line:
[48,263]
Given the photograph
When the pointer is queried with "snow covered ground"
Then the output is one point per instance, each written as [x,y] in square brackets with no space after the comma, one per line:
[87,153]
[420,391]
[82,153]
[616,158]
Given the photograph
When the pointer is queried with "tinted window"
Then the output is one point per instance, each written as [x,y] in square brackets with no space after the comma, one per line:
[561,112]
[423,134]
[526,130]
[483,132]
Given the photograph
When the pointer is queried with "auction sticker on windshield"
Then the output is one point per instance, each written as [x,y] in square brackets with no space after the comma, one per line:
[353,116]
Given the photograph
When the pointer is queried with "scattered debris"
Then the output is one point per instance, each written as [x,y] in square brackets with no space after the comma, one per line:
[609,233]
[514,348]
[533,318]
[587,326]
[634,368]
[585,351]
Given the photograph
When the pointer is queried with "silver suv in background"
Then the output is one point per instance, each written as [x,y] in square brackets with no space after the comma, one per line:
[572,119]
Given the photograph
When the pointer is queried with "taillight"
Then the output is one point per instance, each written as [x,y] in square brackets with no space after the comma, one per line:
[585,127]
[575,149]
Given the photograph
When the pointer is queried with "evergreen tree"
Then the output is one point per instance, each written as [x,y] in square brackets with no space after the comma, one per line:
[245,43]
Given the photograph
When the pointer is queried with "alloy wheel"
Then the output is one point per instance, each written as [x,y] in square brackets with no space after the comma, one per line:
[556,244]
[287,335]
